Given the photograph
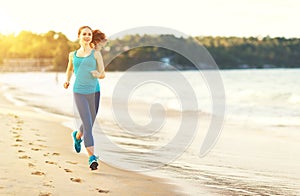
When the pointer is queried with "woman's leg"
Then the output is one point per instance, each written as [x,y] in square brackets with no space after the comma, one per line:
[80,132]
[94,106]
[87,115]
[83,106]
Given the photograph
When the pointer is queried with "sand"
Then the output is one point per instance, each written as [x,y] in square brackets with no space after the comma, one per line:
[37,158]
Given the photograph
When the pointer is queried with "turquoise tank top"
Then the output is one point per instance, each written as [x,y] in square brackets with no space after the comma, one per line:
[85,83]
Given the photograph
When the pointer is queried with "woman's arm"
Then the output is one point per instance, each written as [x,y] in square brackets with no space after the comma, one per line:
[100,72]
[69,70]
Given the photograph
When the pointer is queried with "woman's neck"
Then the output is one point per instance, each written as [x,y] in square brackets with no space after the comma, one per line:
[85,48]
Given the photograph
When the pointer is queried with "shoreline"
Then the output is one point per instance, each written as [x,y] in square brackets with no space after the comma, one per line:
[255,155]
[39,149]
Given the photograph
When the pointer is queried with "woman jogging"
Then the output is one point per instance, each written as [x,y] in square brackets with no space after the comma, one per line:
[87,64]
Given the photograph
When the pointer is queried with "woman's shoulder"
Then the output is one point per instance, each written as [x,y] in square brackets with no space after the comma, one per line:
[71,54]
[97,53]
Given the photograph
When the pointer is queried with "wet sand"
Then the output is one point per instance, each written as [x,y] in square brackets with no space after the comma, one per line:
[37,158]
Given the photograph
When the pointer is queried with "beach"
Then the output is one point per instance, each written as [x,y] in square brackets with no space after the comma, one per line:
[37,158]
[257,152]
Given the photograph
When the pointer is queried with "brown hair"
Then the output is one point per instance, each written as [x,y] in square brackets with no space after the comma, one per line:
[84,27]
[98,36]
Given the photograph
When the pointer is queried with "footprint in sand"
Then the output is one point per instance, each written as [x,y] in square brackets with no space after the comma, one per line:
[42,146]
[102,191]
[20,122]
[38,173]
[13,115]
[76,180]
[71,162]
[46,154]
[16,145]
[51,162]
[20,151]
[54,154]
[48,184]
[17,128]
[68,170]
[31,165]
[45,194]
[35,149]
[19,140]
[24,157]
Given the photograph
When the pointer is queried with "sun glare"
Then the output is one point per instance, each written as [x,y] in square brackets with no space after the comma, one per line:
[216,18]
[7,24]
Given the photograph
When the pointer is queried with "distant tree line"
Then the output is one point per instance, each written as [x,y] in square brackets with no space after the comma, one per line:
[120,54]
[30,45]
[253,52]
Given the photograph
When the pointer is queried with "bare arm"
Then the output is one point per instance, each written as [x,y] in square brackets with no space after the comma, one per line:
[100,72]
[69,71]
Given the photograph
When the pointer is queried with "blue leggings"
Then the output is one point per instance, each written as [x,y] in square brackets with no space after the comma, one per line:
[87,106]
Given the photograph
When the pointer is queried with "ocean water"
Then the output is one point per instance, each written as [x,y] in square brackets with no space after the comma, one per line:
[143,112]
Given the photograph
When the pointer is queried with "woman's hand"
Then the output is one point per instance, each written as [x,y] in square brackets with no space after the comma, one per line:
[66,85]
[95,74]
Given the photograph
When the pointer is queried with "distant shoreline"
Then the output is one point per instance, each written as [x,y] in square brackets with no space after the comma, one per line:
[122,53]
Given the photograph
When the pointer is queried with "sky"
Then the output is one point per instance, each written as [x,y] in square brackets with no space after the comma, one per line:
[242,18]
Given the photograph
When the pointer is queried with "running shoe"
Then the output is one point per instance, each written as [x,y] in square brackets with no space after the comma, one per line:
[77,142]
[93,162]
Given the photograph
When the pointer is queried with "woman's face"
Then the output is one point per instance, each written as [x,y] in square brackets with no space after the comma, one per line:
[85,36]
